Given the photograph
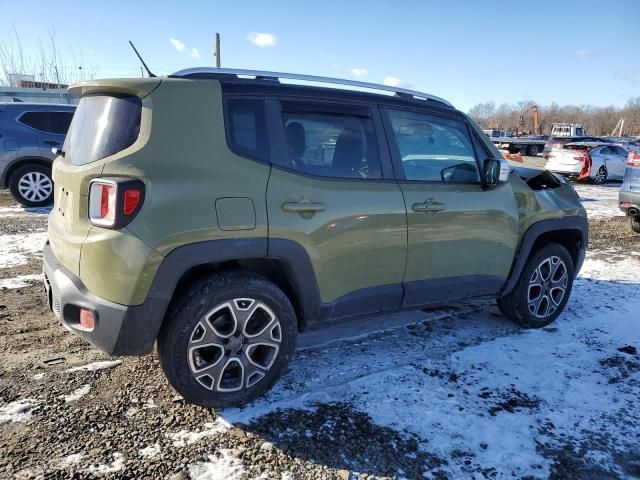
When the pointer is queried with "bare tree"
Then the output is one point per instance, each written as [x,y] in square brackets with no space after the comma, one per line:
[596,120]
[47,66]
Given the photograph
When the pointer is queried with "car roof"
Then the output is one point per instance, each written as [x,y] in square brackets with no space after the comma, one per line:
[36,106]
[272,80]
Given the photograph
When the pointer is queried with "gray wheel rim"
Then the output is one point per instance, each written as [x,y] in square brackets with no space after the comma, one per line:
[601,175]
[234,345]
[35,186]
[547,287]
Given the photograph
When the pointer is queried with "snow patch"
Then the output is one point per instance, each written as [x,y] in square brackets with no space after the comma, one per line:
[222,467]
[185,437]
[77,393]
[115,466]
[20,281]
[18,410]
[18,211]
[96,366]
[72,459]
[150,451]
[600,201]
[16,250]
[39,376]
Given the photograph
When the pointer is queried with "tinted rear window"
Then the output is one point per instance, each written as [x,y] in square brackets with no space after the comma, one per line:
[102,125]
[246,128]
[50,122]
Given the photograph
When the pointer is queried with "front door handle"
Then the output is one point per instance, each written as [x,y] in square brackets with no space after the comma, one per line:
[303,206]
[429,206]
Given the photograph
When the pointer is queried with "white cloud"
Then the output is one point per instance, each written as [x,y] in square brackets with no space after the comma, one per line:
[263,39]
[359,72]
[583,54]
[396,82]
[195,54]
[180,46]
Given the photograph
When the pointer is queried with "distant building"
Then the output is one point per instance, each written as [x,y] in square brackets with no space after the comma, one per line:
[25,88]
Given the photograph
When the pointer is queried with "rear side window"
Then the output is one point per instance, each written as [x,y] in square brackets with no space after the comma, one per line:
[102,125]
[432,148]
[246,128]
[50,122]
[328,144]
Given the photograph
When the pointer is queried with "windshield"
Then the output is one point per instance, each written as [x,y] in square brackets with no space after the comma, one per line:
[102,125]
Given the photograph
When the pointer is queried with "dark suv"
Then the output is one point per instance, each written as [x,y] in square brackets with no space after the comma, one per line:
[28,133]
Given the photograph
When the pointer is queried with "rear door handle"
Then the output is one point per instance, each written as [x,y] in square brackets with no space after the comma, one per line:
[430,205]
[303,206]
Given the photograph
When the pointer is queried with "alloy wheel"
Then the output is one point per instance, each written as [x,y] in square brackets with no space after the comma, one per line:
[601,176]
[547,287]
[234,345]
[35,186]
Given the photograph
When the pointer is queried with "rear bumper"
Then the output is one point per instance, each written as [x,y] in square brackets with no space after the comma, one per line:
[118,330]
[631,202]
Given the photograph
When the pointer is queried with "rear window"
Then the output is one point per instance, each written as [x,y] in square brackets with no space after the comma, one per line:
[50,122]
[102,125]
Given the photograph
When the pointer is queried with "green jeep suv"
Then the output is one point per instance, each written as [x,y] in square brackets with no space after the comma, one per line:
[220,212]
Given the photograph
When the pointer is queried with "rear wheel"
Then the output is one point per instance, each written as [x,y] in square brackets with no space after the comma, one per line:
[635,224]
[32,186]
[543,289]
[601,175]
[533,150]
[228,340]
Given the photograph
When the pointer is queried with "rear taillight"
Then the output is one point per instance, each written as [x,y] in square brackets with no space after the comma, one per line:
[634,159]
[113,203]
[102,203]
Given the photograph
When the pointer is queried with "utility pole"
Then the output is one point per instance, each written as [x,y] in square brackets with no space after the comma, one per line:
[216,52]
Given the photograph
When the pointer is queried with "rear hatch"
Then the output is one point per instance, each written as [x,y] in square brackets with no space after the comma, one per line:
[106,125]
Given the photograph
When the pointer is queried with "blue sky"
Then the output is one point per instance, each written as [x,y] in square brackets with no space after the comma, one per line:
[570,52]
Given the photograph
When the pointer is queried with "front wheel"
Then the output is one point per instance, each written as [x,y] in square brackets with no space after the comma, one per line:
[601,175]
[32,186]
[543,289]
[227,340]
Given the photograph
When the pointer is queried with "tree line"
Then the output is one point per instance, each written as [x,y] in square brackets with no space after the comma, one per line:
[596,120]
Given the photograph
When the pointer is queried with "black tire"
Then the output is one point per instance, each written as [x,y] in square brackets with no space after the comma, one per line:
[635,224]
[533,150]
[601,176]
[42,196]
[182,324]
[516,305]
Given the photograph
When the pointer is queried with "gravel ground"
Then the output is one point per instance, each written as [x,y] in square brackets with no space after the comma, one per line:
[124,421]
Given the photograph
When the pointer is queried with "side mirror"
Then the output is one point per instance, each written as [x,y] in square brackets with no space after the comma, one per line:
[495,171]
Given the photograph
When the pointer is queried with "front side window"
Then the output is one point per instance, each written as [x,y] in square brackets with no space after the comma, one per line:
[332,145]
[433,148]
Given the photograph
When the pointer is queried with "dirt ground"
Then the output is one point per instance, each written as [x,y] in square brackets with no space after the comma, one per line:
[122,420]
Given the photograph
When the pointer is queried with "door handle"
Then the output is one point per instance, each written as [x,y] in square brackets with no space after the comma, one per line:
[303,207]
[52,143]
[429,205]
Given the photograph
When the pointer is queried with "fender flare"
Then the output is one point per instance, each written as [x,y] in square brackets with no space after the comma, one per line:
[572,222]
[144,321]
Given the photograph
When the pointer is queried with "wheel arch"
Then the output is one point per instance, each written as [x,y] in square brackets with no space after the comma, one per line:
[21,162]
[571,232]
[283,262]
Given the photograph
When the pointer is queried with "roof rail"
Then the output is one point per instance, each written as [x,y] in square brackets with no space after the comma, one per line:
[262,75]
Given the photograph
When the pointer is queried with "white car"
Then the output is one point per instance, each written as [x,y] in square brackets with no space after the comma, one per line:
[584,160]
